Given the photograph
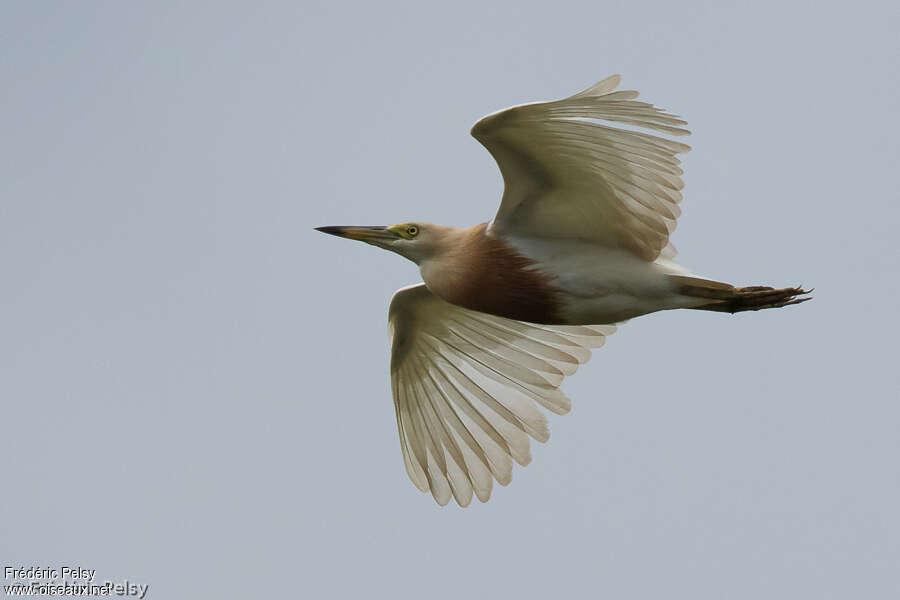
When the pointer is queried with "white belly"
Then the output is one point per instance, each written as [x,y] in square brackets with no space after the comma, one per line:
[599,285]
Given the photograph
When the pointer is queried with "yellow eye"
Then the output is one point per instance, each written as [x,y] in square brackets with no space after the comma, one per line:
[412,230]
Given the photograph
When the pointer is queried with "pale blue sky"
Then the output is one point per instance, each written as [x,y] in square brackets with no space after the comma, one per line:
[194,383]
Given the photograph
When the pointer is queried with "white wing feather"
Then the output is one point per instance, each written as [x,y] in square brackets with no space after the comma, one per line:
[466,386]
[566,176]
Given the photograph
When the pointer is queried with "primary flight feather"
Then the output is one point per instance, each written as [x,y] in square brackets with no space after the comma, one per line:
[509,308]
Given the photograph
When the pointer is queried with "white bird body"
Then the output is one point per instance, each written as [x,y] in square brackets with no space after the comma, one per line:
[508,309]
[603,285]
[591,284]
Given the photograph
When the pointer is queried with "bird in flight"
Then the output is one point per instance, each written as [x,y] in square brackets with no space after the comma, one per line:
[508,308]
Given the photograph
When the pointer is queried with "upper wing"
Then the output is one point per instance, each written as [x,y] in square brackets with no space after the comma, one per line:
[466,387]
[567,177]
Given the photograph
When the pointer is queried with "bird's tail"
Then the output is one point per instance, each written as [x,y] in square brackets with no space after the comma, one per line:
[723,297]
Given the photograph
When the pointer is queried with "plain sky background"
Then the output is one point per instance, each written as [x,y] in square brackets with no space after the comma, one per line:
[194,383]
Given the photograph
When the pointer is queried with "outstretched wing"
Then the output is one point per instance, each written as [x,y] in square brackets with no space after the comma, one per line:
[467,386]
[567,176]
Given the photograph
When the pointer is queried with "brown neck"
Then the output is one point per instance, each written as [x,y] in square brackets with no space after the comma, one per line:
[481,272]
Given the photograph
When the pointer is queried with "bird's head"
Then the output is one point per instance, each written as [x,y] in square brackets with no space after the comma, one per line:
[416,241]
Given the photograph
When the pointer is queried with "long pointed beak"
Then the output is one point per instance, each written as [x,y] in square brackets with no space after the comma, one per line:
[362,233]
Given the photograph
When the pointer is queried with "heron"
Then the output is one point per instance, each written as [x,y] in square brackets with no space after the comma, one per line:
[508,308]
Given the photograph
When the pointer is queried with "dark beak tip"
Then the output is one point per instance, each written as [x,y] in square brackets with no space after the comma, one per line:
[330,229]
